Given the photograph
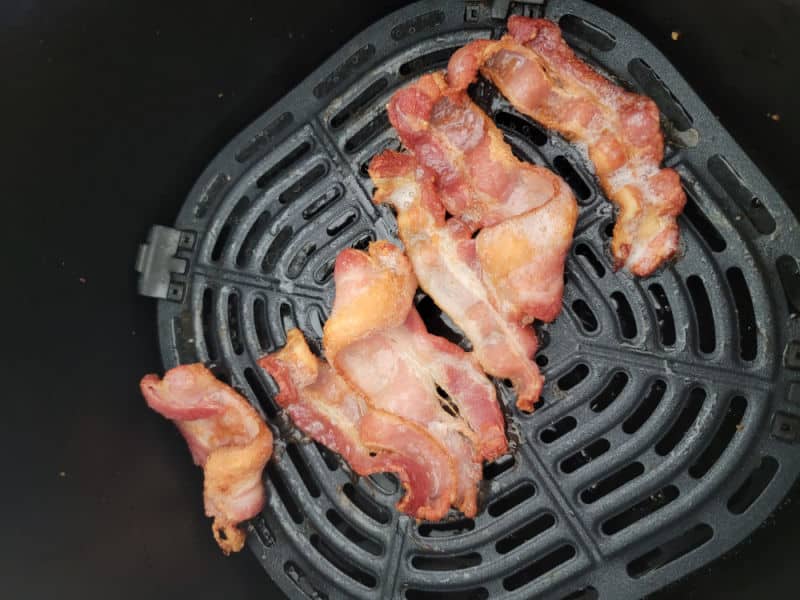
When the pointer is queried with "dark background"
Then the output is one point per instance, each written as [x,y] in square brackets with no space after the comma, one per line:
[110,110]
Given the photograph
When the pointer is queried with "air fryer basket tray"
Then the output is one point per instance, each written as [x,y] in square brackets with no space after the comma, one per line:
[671,411]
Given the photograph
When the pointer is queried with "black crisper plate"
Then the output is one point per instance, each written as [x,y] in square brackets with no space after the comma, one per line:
[670,417]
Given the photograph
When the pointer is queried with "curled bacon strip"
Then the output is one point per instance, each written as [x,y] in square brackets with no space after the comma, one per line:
[226,437]
[478,178]
[447,262]
[404,370]
[331,412]
[541,76]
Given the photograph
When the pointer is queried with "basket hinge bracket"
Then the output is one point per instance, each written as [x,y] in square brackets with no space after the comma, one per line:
[158,261]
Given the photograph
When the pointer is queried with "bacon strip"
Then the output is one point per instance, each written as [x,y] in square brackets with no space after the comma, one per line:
[478,177]
[328,410]
[541,76]
[400,367]
[445,260]
[226,437]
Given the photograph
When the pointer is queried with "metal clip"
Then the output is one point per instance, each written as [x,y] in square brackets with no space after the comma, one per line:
[157,261]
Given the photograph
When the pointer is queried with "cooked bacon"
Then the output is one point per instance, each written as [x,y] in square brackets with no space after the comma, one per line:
[445,260]
[327,409]
[541,76]
[401,367]
[226,437]
[478,178]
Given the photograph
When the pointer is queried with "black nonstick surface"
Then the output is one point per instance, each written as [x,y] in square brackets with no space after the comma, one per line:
[110,114]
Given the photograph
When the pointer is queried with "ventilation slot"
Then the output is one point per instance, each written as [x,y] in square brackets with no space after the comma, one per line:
[627,323]
[264,400]
[570,174]
[653,86]
[639,511]
[299,187]
[446,563]
[324,272]
[722,439]
[685,420]
[365,504]
[671,551]
[353,535]
[233,219]
[789,274]
[446,528]
[576,29]
[299,260]
[612,482]
[471,594]
[276,249]
[587,593]
[260,141]
[664,318]
[286,313]
[363,240]
[523,534]
[286,496]
[234,330]
[591,259]
[389,144]
[702,225]
[610,393]
[261,319]
[366,133]
[209,326]
[330,459]
[753,486]
[296,575]
[257,230]
[732,183]
[520,126]
[359,102]
[222,240]
[585,315]
[300,464]
[345,566]
[315,319]
[322,202]
[427,62]
[541,567]
[541,360]
[646,408]
[282,165]
[584,457]
[497,467]
[345,71]
[558,429]
[341,222]
[704,316]
[573,378]
[513,498]
[607,231]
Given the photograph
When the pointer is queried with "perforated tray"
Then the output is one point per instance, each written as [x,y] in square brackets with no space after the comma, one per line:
[670,415]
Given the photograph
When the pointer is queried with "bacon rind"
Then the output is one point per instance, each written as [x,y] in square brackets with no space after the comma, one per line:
[446,263]
[226,437]
[544,79]
[327,409]
[478,177]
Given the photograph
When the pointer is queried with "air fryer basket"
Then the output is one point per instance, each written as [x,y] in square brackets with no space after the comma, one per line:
[671,412]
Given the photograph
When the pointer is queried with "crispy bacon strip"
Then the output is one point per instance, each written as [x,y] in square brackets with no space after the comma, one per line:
[478,177]
[399,366]
[226,437]
[445,261]
[331,412]
[541,76]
